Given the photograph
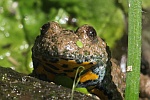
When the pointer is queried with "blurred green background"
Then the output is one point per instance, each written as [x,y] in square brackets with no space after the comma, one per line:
[20,22]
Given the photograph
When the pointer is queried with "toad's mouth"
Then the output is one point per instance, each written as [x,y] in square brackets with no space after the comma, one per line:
[72,57]
[68,65]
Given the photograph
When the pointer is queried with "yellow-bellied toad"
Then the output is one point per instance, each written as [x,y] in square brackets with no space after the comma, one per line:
[58,51]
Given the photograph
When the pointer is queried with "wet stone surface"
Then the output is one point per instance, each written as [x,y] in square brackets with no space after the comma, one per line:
[16,86]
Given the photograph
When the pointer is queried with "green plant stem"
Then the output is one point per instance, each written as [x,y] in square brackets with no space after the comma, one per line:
[74,82]
[134,50]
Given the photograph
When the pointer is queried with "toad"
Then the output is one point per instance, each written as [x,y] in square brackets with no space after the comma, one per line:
[58,51]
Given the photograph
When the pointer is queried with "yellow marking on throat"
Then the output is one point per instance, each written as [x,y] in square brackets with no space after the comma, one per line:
[88,76]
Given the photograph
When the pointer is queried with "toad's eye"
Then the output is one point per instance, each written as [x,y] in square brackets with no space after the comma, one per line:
[88,32]
[44,28]
[91,33]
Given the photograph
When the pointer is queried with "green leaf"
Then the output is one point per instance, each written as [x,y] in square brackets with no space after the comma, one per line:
[82,90]
[79,44]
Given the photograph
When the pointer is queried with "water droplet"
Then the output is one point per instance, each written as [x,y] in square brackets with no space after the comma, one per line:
[26,18]
[24,46]
[2,28]
[31,64]
[62,17]
[129,4]
[74,20]
[7,53]
[20,26]
[7,34]
[12,67]
[1,57]
[14,5]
